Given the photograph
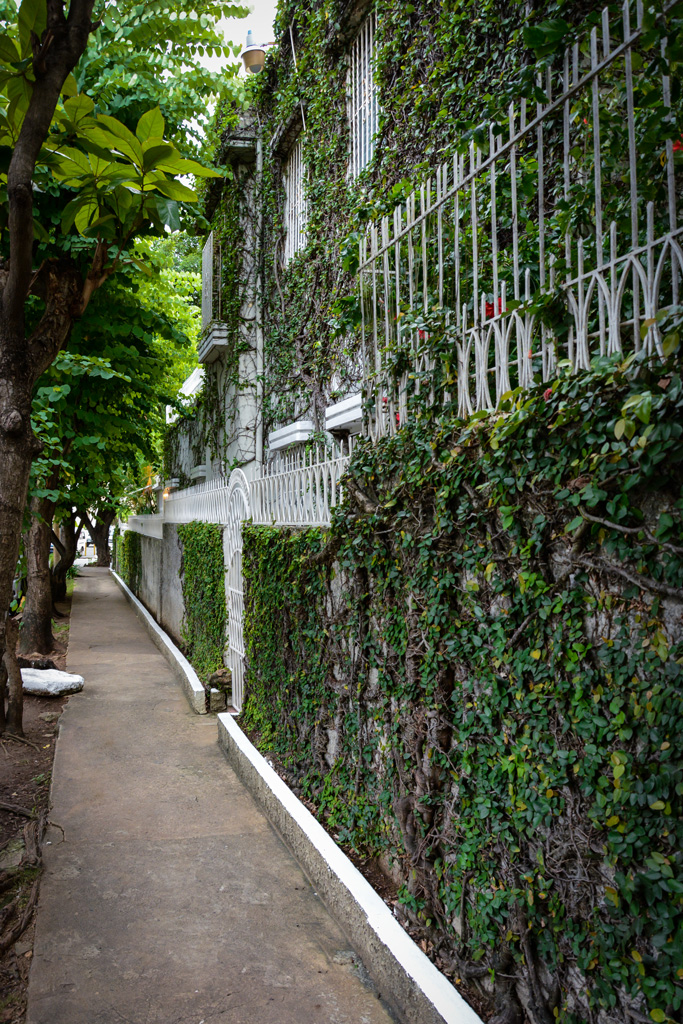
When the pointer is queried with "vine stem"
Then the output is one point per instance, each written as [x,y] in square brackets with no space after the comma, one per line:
[632,530]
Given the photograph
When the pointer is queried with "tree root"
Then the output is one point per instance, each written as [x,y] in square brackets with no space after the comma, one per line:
[16,809]
[15,933]
[20,739]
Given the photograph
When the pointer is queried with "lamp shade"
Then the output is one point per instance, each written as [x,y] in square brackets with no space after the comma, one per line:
[253,55]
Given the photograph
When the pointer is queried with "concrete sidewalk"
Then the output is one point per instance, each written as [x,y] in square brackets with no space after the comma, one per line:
[172,900]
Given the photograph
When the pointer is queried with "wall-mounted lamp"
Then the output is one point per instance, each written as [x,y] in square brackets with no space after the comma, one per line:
[253,54]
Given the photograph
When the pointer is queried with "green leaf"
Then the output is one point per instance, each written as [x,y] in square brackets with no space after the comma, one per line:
[70,87]
[147,270]
[658,1016]
[168,211]
[39,231]
[8,50]
[85,216]
[78,107]
[32,18]
[176,190]
[177,164]
[671,343]
[123,139]
[156,155]
[546,37]
[151,125]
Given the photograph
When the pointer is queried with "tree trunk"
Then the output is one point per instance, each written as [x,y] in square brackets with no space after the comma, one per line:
[3,694]
[36,628]
[23,359]
[68,549]
[17,449]
[100,538]
[99,527]
[15,702]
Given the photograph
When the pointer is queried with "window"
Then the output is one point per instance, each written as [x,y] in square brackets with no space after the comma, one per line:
[362,106]
[296,207]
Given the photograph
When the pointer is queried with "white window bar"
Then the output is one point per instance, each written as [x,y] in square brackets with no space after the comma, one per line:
[211,281]
[362,98]
[296,206]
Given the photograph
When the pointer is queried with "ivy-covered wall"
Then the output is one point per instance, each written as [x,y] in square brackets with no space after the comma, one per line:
[128,558]
[203,584]
[443,72]
[477,678]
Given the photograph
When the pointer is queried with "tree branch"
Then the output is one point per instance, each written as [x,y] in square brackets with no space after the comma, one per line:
[61,304]
[86,519]
[58,544]
[632,530]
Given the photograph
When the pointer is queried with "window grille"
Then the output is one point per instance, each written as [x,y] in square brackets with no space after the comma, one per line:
[296,207]
[362,98]
[211,281]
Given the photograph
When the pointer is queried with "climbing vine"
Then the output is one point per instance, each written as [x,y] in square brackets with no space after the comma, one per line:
[476,677]
[203,584]
[211,425]
[129,558]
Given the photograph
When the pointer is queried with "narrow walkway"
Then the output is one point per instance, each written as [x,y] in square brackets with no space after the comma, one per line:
[172,900]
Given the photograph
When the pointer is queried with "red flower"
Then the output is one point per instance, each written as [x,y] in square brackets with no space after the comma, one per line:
[678,146]
[490,308]
[422,335]
[547,394]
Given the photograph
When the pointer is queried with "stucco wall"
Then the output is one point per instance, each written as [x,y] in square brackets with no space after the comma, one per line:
[151,551]
[171,606]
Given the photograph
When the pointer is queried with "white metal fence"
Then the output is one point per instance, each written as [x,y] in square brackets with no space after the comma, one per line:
[572,201]
[207,502]
[301,489]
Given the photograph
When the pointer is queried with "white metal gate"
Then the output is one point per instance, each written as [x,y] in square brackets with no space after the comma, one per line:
[238,511]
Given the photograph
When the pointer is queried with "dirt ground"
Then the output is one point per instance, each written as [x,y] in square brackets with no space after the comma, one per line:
[25,774]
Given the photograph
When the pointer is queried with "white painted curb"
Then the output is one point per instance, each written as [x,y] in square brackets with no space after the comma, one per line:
[195,692]
[445,1001]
